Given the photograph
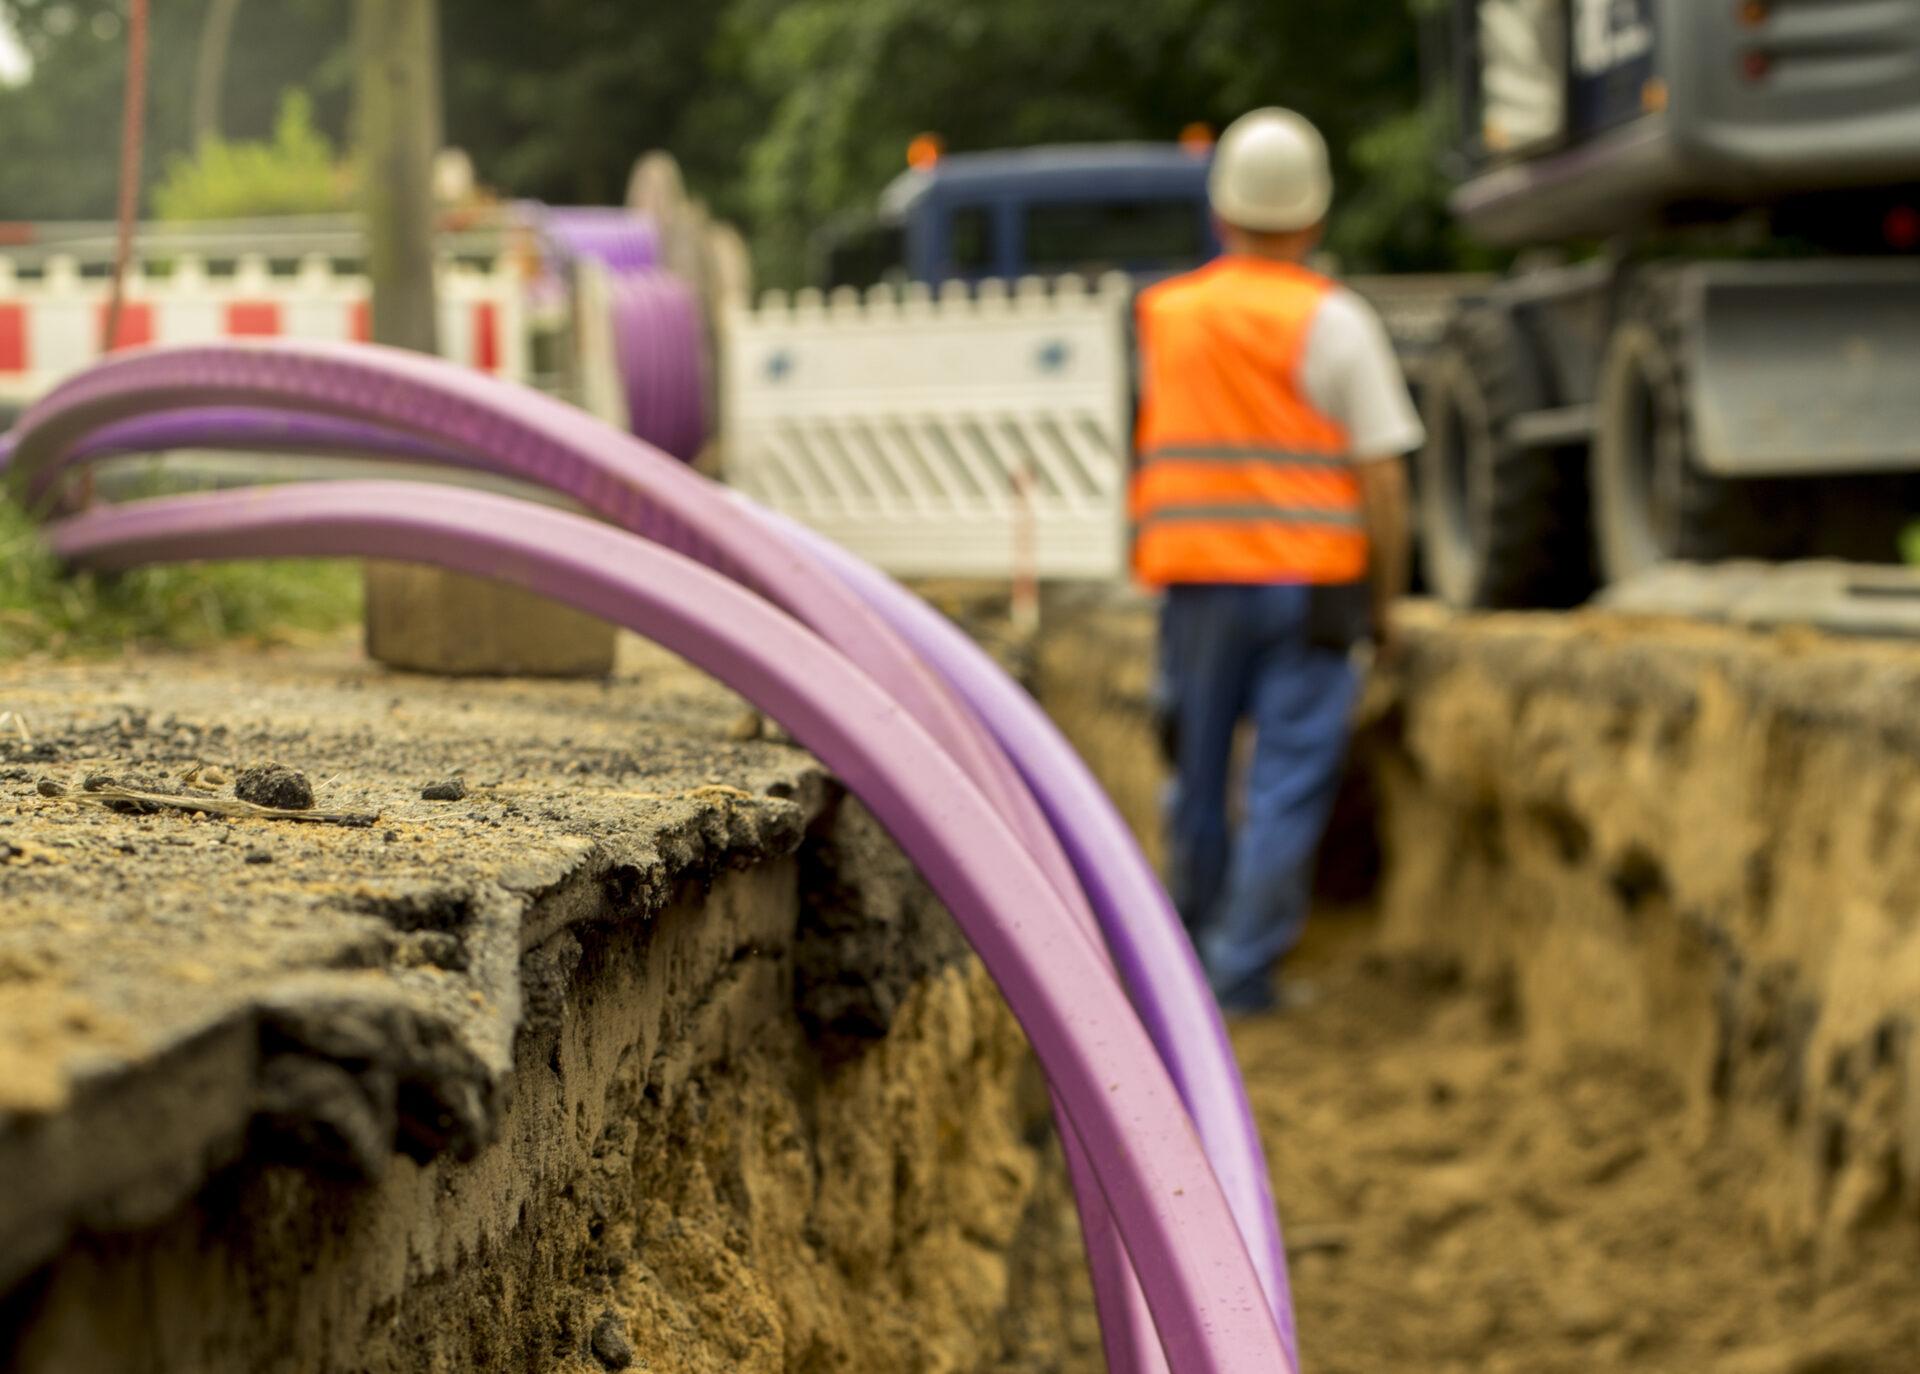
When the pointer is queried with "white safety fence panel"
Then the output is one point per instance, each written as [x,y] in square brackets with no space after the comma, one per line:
[52,322]
[959,435]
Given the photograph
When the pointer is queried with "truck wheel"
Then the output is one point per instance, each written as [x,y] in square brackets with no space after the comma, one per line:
[1502,524]
[1653,503]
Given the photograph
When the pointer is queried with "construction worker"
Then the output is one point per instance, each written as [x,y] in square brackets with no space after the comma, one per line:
[1270,504]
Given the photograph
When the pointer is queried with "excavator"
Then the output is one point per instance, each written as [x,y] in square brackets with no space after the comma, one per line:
[1708,345]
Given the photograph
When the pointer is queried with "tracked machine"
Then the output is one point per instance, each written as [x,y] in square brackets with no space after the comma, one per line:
[1709,344]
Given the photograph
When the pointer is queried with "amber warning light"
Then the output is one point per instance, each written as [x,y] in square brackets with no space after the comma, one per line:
[924,151]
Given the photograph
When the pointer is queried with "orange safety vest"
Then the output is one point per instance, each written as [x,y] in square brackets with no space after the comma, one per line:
[1240,479]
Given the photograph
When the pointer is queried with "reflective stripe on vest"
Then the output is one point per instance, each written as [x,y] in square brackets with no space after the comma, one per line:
[1240,478]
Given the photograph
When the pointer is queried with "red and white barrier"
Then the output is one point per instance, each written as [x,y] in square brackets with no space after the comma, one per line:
[52,322]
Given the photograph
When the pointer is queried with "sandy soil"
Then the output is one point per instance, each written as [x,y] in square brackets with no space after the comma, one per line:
[1453,1204]
[648,1051]
[854,1182]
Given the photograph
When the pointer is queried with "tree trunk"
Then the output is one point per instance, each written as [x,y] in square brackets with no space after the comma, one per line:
[210,69]
[397,132]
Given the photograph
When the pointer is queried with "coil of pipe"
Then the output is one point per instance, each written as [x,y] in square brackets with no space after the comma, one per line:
[1131,1345]
[616,237]
[1145,935]
[659,333]
[659,341]
[1200,1285]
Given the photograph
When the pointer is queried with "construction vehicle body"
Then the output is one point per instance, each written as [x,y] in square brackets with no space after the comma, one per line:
[1749,323]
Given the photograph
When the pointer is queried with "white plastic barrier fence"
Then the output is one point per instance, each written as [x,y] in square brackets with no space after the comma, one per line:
[52,320]
[977,433]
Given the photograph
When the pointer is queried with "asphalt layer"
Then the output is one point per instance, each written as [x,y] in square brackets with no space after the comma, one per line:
[179,989]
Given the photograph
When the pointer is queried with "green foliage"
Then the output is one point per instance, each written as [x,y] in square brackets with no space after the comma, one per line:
[784,113]
[60,129]
[1395,218]
[294,174]
[1910,545]
[44,609]
[847,83]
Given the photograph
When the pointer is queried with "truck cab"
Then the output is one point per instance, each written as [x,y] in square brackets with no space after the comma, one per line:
[1137,208]
[1584,118]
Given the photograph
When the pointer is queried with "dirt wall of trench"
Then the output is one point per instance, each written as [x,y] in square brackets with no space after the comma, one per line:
[1695,846]
[699,1170]
[754,1105]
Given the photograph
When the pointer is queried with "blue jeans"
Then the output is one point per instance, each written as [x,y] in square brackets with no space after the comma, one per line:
[1229,653]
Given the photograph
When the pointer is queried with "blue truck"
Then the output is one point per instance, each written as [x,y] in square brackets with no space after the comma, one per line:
[1138,208]
[1088,209]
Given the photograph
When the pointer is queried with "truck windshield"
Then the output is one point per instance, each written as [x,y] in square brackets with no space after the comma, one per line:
[1522,76]
[1096,236]
[870,253]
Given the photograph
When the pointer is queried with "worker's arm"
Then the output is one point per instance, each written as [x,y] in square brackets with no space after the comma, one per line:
[1383,498]
[1351,372]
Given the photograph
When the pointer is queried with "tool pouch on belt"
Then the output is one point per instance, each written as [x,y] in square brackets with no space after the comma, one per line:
[1339,615]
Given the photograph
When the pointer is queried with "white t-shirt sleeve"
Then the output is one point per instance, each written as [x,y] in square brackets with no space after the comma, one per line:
[1350,372]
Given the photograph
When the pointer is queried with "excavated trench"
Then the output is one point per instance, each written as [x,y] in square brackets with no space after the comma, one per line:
[1612,1064]
[650,1052]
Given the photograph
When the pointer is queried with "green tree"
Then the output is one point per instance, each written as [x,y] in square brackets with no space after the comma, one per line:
[784,113]
[849,82]
[293,174]
[60,129]
[557,98]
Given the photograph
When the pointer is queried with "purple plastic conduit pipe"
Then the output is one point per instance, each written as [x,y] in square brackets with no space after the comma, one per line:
[1198,1281]
[1131,1345]
[658,342]
[251,429]
[616,237]
[659,335]
[1154,955]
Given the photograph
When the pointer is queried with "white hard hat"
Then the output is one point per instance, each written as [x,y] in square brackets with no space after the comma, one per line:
[1270,173]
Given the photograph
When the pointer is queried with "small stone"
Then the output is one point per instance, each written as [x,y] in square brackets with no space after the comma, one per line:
[259,856]
[447,789]
[205,777]
[94,782]
[391,836]
[275,785]
[745,726]
[610,1345]
[47,787]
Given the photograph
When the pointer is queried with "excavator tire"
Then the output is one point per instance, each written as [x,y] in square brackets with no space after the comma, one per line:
[1503,525]
[1652,501]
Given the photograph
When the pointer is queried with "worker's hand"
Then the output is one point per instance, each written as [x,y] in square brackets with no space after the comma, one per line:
[1386,638]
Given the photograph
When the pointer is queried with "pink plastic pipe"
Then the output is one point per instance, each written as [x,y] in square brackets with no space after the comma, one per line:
[76,423]
[1195,1273]
[1154,954]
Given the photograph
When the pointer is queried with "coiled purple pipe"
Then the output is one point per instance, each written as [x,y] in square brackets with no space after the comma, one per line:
[1204,1295]
[659,343]
[616,237]
[1153,953]
[659,334]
